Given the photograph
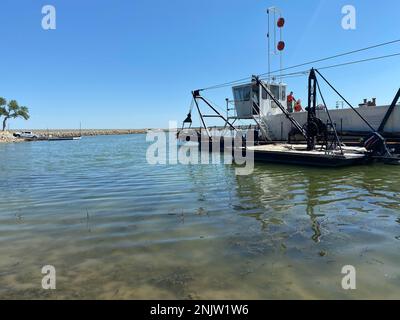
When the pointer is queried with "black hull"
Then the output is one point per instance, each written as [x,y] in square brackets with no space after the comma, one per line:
[307,160]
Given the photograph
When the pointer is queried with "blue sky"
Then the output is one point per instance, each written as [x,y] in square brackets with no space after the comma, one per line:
[132,64]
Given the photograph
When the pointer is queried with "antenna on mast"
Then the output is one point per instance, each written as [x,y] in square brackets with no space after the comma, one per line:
[279,46]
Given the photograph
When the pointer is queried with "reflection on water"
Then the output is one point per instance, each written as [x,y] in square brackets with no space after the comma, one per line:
[115,227]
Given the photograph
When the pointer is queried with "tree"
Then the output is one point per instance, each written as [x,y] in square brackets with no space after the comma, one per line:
[12,110]
[3,103]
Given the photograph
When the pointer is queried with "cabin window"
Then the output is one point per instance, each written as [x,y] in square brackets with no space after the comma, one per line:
[283,93]
[275,91]
[242,94]
[265,95]
[256,94]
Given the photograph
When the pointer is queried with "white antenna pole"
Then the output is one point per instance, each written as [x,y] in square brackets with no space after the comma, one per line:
[269,47]
[275,31]
[276,12]
[280,52]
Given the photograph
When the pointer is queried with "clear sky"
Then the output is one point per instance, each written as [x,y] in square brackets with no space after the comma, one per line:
[133,63]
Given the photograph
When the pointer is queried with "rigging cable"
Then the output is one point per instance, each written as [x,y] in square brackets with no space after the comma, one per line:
[305,72]
[336,56]
[360,61]
[303,64]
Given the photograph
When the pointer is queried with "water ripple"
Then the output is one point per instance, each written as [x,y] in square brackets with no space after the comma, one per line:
[97,202]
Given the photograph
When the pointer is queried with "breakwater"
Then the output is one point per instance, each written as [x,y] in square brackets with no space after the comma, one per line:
[85,132]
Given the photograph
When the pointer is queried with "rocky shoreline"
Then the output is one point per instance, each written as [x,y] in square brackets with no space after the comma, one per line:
[7,136]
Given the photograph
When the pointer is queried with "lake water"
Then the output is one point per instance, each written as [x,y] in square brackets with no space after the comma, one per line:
[115,227]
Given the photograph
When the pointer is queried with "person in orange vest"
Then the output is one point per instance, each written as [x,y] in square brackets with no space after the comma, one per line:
[290,100]
[298,107]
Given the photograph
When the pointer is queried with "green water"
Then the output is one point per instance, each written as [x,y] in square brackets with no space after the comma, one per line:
[115,227]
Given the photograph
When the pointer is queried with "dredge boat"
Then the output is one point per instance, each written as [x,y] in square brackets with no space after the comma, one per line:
[324,147]
[251,103]
[276,131]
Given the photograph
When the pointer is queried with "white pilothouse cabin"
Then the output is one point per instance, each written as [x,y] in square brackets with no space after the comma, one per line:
[252,101]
